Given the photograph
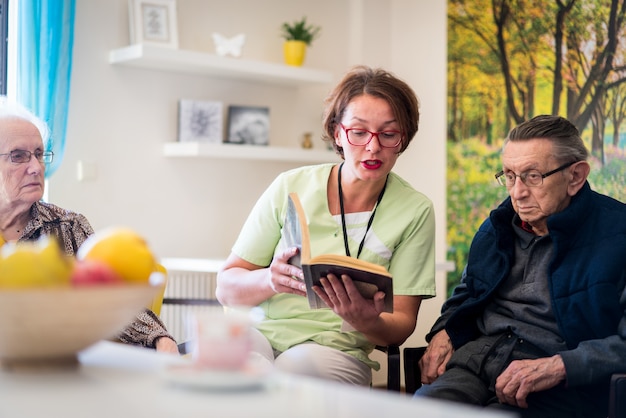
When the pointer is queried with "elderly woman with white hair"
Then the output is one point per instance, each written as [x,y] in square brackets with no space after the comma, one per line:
[25,217]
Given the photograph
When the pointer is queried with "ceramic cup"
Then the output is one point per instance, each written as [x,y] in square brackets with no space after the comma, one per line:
[221,338]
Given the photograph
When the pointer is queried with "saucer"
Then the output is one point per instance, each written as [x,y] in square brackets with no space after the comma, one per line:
[192,376]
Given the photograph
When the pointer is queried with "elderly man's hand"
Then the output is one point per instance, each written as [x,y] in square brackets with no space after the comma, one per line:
[523,377]
[433,362]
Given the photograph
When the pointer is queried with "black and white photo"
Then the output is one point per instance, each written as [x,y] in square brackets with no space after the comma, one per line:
[248,125]
[200,121]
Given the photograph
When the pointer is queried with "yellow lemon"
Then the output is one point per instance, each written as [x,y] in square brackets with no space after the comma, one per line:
[34,264]
[58,264]
[123,250]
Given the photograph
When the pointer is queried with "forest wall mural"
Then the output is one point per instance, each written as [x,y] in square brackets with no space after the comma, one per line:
[510,60]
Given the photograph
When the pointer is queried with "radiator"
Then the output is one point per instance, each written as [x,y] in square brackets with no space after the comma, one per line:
[190,288]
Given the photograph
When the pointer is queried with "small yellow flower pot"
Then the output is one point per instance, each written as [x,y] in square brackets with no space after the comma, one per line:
[295,52]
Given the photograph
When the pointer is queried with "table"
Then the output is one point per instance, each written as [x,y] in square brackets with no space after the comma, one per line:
[116,380]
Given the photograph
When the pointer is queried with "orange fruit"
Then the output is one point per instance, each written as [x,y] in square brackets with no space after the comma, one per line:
[124,250]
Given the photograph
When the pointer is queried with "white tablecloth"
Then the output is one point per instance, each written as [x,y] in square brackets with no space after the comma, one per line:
[115,380]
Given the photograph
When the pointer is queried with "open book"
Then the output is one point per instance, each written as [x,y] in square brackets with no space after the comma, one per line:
[368,277]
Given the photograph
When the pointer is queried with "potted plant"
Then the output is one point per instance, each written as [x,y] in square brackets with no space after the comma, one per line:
[298,35]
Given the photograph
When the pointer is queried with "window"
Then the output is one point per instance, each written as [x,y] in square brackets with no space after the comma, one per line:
[4,35]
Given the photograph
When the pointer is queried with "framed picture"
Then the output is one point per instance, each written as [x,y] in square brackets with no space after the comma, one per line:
[248,125]
[153,22]
[200,121]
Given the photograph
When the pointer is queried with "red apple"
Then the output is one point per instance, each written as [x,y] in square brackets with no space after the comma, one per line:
[93,272]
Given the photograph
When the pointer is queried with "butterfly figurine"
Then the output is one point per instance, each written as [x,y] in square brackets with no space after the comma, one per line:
[228,46]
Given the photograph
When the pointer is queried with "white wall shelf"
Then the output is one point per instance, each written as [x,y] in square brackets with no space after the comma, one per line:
[248,152]
[199,63]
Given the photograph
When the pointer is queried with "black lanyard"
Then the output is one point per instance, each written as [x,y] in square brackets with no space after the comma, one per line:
[343,214]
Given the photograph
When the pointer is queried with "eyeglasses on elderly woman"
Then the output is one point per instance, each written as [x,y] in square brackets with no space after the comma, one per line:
[19,156]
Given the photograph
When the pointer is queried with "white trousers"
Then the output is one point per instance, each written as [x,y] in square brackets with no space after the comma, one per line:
[315,360]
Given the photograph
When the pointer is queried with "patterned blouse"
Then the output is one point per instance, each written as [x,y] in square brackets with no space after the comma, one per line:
[72,229]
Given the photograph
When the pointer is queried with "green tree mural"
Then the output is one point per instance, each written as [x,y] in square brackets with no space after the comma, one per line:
[510,60]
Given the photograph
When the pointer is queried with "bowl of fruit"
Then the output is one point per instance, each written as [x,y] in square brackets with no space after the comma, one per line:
[53,306]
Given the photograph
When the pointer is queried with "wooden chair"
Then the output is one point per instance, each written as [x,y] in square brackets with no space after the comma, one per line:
[412,355]
[412,372]
[393,366]
[617,396]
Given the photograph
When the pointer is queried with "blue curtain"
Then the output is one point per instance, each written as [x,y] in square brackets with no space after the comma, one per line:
[45,35]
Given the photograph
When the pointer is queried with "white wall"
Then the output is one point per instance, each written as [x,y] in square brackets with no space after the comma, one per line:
[119,117]
[419,54]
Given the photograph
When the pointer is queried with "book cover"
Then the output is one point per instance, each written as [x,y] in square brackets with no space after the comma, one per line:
[368,277]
